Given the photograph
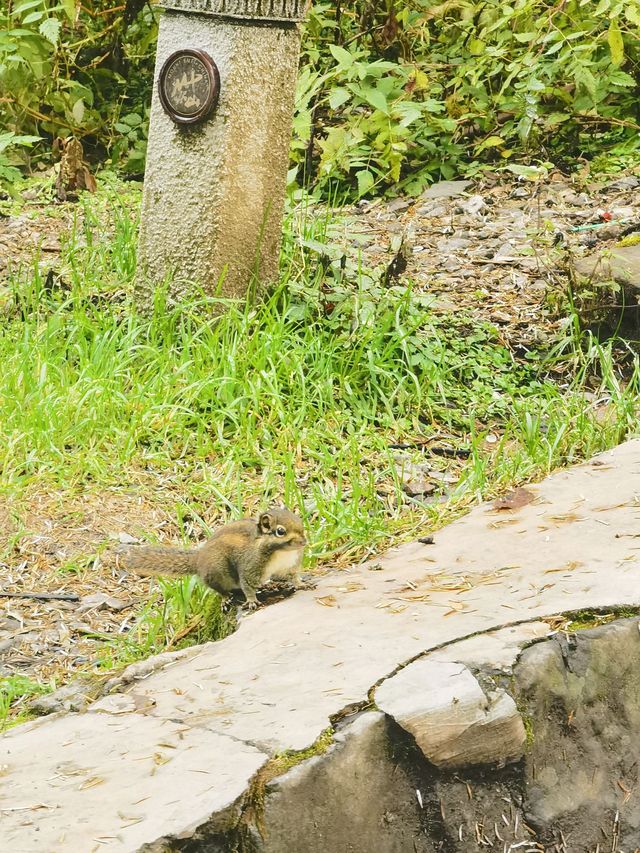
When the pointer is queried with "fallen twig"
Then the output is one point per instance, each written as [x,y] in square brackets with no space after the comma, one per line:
[41,596]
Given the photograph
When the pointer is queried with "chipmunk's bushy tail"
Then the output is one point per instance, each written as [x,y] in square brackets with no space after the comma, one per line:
[152,560]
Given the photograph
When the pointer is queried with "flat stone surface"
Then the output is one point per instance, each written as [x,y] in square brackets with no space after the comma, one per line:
[447,189]
[496,651]
[454,723]
[621,265]
[274,684]
[86,782]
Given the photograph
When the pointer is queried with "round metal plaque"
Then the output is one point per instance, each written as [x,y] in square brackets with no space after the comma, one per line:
[189,86]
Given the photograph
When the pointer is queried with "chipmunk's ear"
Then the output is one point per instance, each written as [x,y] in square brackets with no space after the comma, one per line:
[265,523]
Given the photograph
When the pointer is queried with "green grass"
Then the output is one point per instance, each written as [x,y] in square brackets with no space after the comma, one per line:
[277,400]
[286,399]
[15,693]
[585,619]
[181,613]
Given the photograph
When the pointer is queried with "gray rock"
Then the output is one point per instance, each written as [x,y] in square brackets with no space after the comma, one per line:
[630,182]
[621,265]
[446,189]
[433,210]
[398,205]
[101,601]
[72,697]
[473,206]
[195,776]
[505,252]
[7,643]
[449,245]
[126,539]
[356,797]
[289,668]
[496,651]
[417,488]
[455,724]
[581,696]
[577,199]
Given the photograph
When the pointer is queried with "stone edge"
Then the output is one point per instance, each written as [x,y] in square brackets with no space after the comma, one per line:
[247,10]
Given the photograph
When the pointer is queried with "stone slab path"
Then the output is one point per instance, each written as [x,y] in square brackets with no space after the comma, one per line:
[182,744]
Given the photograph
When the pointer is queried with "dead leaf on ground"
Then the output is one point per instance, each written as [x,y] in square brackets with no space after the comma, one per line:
[352,586]
[568,567]
[565,517]
[91,783]
[514,500]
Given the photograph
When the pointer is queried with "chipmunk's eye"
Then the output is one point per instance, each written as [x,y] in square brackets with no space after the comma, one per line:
[280,531]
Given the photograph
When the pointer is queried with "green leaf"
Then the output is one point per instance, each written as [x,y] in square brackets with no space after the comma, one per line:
[33,16]
[132,119]
[554,119]
[621,78]
[338,97]
[584,78]
[409,111]
[534,85]
[476,47]
[491,142]
[28,4]
[554,48]
[376,99]
[632,14]
[365,181]
[10,138]
[77,110]
[50,29]
[529,173]
[524,127]
[344,58]
[616,43]
[69,7]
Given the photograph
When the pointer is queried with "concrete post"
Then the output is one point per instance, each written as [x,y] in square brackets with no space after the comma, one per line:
[215,184]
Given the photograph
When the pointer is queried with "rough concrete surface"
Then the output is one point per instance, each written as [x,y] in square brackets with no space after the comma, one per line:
[275,684]
[214,193]
[582,696]
[254,10]
[356,797]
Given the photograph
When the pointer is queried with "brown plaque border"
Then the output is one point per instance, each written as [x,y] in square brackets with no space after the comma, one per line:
[214,77]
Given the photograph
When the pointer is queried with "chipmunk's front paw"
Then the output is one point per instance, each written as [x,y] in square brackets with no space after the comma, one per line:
[250,606]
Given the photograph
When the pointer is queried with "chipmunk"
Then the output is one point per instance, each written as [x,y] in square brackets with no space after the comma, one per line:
[242,555]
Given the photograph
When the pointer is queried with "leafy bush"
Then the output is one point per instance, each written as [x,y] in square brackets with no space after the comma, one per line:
[10,145]
[391,93]
[67,71]
[461,83]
